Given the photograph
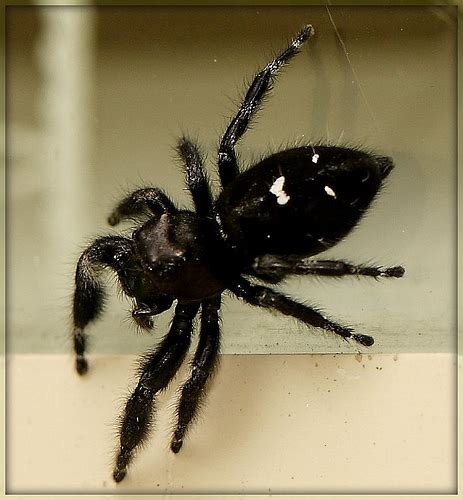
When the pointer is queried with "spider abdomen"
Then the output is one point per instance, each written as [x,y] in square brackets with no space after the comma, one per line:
[301,200]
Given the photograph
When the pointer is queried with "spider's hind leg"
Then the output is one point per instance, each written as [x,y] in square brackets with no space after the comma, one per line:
[274,268]
[113,252]
[266,297]
[259,88]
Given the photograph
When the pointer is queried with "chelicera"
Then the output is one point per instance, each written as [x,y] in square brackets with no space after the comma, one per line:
[267,223]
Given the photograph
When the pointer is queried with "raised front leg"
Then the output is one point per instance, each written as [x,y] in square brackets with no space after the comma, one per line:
[266,297]
[227,163]
[156,371]
[114,252]
[151,201]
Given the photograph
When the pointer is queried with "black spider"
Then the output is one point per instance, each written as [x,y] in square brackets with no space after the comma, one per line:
[265,223]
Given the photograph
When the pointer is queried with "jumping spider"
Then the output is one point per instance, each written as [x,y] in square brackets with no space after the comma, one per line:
[265,224]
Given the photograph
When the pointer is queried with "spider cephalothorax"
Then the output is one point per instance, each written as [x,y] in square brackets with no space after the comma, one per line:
[266,223]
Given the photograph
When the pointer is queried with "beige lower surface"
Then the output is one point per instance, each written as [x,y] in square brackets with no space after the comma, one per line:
[279,424]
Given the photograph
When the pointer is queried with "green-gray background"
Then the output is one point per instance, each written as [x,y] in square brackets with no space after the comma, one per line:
[99,112]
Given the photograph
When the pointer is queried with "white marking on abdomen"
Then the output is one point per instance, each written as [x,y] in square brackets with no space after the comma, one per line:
[330,192]
[277,190]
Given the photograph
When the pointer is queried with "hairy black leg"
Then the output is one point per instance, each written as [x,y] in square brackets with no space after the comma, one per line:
[111,251]
[266,297]
[196,177]
[151,200]
[227,163]
[276,267]
[202,368]
[156,371]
